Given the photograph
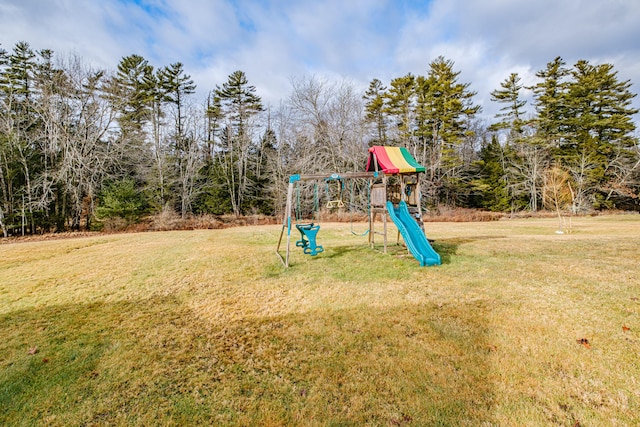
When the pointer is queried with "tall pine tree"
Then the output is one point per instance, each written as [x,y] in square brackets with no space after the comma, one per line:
[239,103]
[375,112]
[445,110]
[511,114]
[400,107]
[176,86]
[550,100]
[600,128]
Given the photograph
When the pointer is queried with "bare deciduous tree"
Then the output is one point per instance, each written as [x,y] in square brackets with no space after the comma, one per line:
[85,143]
[558,194]
[329,126]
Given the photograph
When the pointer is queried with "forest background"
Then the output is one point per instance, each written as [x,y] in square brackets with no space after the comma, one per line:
[81,147]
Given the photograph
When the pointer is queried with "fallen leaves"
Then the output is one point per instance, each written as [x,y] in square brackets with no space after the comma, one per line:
[33,350]
[406,419]
[584,342]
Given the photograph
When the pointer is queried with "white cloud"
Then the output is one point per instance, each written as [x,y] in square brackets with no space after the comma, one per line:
[58,25]
[360,40]
[489,39]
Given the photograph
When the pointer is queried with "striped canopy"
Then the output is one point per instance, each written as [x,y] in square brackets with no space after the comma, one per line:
[392,160]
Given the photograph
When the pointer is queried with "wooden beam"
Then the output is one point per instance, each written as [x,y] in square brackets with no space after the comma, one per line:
[344,175]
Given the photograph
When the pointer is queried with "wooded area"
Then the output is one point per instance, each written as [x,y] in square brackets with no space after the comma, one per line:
[79,146]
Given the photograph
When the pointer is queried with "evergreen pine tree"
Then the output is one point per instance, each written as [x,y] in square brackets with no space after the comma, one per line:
[445,110]
[375,110]
[600,129]
[133,93]
[20,132]
[511,114]
[550,100]
[175,86]
[238,104]
[400,107]
[490,184]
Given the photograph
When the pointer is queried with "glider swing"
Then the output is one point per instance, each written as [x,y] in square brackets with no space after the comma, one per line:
[308,231]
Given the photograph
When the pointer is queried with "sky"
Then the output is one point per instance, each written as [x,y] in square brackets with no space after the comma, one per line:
[276,41]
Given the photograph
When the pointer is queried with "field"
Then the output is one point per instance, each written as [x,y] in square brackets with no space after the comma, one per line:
[520,326]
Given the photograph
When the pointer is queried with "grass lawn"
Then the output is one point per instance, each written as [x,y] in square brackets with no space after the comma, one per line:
[518,327]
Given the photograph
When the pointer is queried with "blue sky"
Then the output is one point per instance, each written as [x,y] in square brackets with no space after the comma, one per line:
[358,40]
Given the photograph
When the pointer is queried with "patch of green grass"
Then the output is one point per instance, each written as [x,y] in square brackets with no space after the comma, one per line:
[207,327]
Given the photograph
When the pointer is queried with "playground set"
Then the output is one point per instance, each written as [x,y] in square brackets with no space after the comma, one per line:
[393,184]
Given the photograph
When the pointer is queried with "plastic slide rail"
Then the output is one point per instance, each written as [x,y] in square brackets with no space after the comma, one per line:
[412,234]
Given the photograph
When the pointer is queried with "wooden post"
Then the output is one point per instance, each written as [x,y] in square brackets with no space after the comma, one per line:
[280,241]
[371,214]
[287,223]
[372,239]
[403,197]
[289,208]
[385,180]
[419,201]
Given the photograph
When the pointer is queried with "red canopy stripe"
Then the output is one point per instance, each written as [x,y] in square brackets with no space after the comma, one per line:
[392,160]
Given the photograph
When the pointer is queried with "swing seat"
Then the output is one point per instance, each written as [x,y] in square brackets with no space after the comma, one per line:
[307,240]
[303,242]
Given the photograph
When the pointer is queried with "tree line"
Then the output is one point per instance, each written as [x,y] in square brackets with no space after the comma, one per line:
[79,145]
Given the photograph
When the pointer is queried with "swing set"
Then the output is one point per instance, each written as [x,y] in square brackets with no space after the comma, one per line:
[334,189]
[400,201]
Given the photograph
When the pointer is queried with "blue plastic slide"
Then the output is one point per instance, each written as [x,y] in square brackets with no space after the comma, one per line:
[412,234]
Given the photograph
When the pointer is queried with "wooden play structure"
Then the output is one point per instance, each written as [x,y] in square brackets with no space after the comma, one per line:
[393,180]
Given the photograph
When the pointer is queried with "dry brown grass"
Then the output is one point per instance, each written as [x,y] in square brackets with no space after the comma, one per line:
[445,214]
[206,327]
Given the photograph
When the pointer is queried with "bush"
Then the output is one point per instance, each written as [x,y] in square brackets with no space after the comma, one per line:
[118,201]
